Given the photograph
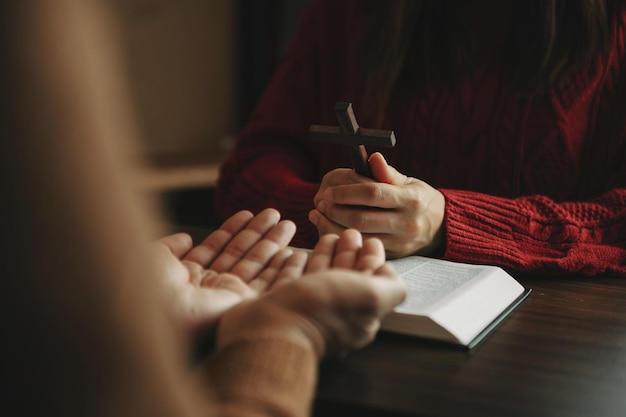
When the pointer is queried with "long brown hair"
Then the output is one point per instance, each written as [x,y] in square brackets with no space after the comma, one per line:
[429,41]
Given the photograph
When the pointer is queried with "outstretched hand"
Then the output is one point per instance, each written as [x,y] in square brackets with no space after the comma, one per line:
[336,306]
[405,213]
[239,261]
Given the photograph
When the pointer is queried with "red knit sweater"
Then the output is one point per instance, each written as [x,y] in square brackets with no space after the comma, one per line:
[531,184]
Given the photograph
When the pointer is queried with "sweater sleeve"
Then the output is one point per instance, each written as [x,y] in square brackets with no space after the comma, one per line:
[274,162]
[263,378]
[537,234]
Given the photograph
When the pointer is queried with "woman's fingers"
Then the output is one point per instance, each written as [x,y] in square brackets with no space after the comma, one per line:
[268,276]
[371,257]
[347,249]
[255,260]
[243,241]
[206,252]
[292,269]
[322,256]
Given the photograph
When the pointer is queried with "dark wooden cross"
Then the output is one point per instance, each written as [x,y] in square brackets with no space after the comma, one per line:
[354,137]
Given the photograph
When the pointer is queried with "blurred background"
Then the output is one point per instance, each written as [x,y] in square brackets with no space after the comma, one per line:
[197,68]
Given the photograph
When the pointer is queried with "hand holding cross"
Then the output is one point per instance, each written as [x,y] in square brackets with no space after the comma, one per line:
[354,137]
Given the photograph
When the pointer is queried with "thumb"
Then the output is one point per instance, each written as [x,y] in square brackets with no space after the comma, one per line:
[383,172]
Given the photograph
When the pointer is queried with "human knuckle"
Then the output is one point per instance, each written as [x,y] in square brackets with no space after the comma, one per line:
[369,337]
[406,224]
[372,299]
[372,191]
[413,204]
[398,248]
[416,201]
[326,178]
[360,221]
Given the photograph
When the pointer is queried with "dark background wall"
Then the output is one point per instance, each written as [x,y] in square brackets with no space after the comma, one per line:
[197,67]
[216,75]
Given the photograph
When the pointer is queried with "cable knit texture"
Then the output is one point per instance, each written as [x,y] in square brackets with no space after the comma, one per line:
[264,378]
[531,184]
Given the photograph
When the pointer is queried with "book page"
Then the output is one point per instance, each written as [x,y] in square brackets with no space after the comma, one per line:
[450,301]
[428,280]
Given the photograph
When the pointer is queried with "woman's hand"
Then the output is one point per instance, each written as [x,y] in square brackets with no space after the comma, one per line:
[335,307]
[405,213]
[239,261]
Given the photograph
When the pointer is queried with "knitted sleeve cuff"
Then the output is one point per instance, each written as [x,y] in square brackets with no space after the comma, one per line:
[480,228]
[264,377]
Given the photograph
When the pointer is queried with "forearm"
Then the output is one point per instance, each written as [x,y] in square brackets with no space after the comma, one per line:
[537,234]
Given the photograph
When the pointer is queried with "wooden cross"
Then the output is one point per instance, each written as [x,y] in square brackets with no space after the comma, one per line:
[354,137]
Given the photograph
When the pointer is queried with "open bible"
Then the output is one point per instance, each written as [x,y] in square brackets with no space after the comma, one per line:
[452,302]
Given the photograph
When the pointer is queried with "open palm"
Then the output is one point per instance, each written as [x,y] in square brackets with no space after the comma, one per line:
[238,261]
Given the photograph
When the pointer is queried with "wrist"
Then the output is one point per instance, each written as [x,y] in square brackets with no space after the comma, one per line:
[435,220]
[437,246]
[262,321]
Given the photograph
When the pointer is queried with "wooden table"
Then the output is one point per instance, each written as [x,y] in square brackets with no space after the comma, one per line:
[562,353]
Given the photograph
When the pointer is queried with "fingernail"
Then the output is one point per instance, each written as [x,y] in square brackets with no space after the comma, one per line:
[379,155]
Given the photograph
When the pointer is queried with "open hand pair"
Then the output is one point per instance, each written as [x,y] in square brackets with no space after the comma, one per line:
[331,298]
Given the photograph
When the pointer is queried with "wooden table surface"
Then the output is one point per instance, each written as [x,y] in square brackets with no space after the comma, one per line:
[561,353]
